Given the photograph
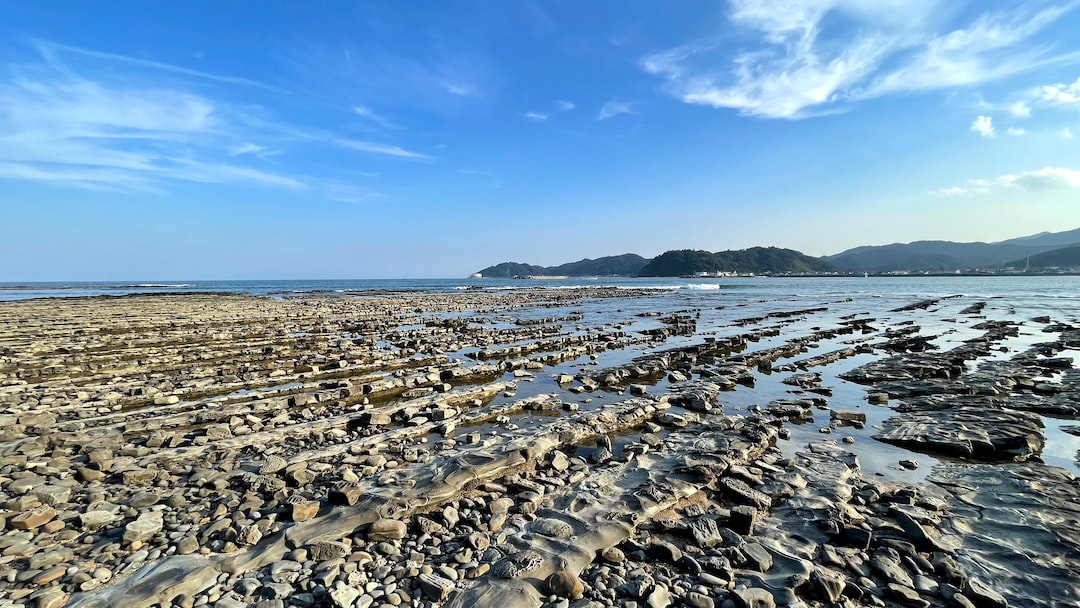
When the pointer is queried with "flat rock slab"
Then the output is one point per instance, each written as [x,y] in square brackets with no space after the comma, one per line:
[34,518]
[1017,523]
[143,528]
[967,432]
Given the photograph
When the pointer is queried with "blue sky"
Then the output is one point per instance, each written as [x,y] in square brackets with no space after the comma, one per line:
[230,139]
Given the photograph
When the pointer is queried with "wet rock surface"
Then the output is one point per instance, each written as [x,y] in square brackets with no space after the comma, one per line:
[967,432]
[530,448]
[1017,526]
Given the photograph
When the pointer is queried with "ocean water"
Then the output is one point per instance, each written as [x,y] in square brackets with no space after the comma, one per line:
[1050,288]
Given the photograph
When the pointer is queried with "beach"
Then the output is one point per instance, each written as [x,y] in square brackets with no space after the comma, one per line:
[841,442]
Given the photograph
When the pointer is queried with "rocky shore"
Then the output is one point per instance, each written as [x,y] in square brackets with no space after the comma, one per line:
[577,447]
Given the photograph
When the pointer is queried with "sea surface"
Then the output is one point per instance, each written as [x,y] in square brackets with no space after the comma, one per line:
[1031,287]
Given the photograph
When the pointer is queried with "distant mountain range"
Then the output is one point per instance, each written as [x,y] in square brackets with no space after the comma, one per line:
[944,256]
[1043,250]
[1066,257]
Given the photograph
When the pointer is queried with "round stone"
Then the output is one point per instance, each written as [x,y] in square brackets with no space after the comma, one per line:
[565,584]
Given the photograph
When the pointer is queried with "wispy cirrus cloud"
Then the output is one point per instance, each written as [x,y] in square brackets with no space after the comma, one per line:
[101,179]
[246,148]
[99,121]
[459,88]
[811,57]
[49,51]
[372,116]
[994,45]
[349,193]
[418,75]
[67,130]
[561,105]
[614,108]
[377,148]
[1038,180]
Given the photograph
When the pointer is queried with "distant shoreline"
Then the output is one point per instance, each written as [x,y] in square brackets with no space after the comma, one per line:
[105,285]
[918,275]
[834,275]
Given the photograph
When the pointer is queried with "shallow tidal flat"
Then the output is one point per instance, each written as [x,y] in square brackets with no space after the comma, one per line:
[575,447]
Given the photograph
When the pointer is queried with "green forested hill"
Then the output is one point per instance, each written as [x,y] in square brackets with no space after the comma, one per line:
[508,270]
[627,264]
[757,260]
[1066,257]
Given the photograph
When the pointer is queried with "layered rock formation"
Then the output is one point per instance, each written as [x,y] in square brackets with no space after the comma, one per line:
[526,448]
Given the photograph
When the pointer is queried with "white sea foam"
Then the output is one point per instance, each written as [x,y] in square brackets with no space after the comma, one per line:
[703,286]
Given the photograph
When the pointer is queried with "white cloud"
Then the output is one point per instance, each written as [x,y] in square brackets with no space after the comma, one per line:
[369,114]
[1067,133]
[1039,180]
[219,173]
[989,48]
[1050,96]
[1016,132]
[432,77]
[347,193]
[564,105]
[458,88]
[614,108]
[98,121]
[808,57]
[1047,178]
[48,51]
[1061,94]
[983,125]
[1058,96]
[537,116]
[102,179]
[65,130]
[953,191]
[1019,109]
[377,148]
[92,110]
[245,148]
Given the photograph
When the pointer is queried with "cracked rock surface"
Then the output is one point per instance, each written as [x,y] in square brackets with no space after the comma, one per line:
[536,447]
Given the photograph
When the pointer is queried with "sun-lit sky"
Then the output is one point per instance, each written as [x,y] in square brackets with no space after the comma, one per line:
[281,139]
